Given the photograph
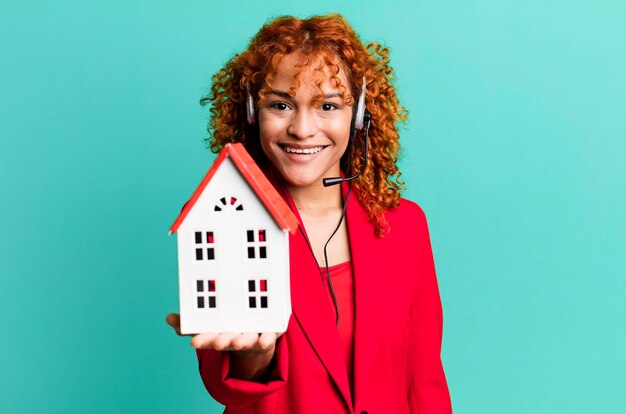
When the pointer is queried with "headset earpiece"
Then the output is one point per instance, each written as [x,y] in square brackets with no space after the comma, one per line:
[359,113]
[250,112]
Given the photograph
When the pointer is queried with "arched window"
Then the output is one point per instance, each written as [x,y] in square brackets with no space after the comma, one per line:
[228,203]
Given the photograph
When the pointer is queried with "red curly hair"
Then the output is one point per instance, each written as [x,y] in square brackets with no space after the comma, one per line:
[332,43]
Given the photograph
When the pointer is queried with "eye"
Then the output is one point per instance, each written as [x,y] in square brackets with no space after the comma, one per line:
[279,106]
[329,107]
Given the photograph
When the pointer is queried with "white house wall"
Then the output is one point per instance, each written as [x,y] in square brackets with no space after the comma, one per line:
[231,268]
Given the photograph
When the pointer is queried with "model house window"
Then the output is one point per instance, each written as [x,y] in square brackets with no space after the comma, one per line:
[205,294]
[228,203]
[257,294]
[204,242]
[256,244]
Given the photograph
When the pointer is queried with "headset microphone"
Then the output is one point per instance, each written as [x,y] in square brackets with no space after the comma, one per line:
[360,119]
[337,180]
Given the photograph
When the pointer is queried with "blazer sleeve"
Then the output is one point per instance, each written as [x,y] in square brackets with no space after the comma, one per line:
[235,393]
[428,389]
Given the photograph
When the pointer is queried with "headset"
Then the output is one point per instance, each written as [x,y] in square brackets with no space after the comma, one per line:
[360,118]
[250,111]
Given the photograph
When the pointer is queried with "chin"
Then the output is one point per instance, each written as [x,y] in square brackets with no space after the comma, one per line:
[297,180]
[301,178]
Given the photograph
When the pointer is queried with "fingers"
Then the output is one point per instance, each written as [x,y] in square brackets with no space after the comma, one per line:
[227,341]
[235,341]
[212,340]
[223,342]
[173,320]
[204,340]
[267,340]
[245,341]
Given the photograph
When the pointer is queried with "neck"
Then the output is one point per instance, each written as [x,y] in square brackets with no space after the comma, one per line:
[316,197]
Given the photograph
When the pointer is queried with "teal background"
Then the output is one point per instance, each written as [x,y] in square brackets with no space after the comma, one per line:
[515,148]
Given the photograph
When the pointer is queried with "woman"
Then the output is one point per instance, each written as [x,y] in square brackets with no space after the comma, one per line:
[365,333]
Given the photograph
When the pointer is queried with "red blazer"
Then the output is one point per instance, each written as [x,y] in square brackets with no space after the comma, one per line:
[398,327]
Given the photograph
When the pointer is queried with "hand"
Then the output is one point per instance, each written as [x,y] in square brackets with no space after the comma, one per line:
[227,341]
[251,352]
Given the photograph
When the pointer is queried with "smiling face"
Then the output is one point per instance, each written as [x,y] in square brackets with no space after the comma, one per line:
[305,134]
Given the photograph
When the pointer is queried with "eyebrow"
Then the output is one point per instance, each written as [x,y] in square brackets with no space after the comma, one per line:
[286,95]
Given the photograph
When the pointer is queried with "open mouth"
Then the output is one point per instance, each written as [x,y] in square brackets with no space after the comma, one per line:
[311,150]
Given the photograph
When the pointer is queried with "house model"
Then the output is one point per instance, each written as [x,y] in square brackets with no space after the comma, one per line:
[233,250]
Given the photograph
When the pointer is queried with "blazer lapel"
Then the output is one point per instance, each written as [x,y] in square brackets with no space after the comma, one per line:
[370,264]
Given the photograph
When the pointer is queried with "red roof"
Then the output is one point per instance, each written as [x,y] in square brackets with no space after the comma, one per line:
[268,195]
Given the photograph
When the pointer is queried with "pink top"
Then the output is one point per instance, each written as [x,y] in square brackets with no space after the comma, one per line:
[343,285]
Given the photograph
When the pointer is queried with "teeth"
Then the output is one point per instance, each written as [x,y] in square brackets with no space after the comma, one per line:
[313,150]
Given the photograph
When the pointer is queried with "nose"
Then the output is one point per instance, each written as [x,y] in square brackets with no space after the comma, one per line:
[303,124]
